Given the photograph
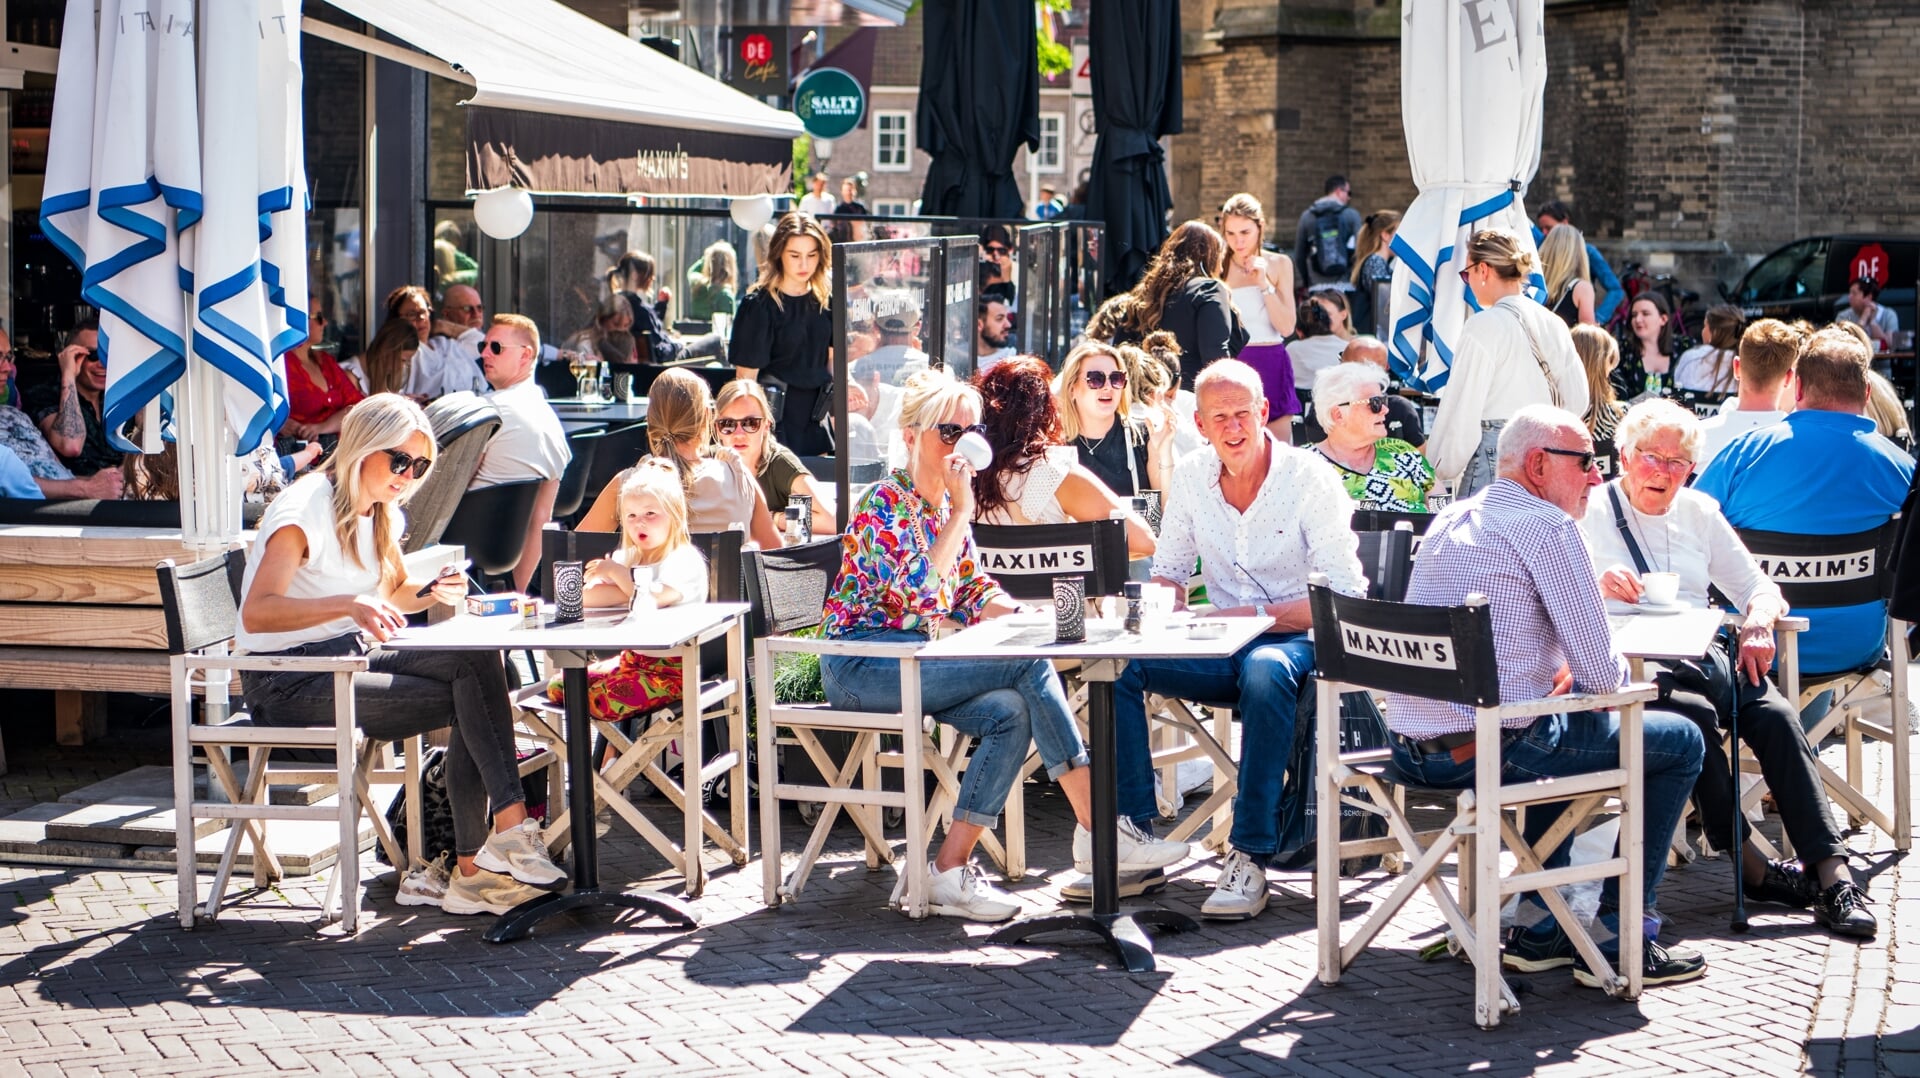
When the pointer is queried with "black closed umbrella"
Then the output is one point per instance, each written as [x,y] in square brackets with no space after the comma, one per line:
[1134,54]
[979,100]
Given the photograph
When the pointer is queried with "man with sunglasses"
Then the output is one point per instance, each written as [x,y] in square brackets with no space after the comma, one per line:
[52,480]
[68,413]
[996,263]
[530,444]
[1516,541]
[1257,516]
[447,361]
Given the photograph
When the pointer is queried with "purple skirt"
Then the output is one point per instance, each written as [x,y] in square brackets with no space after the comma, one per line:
[1276,376]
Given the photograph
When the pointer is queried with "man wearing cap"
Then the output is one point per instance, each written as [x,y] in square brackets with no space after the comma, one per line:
[878,375]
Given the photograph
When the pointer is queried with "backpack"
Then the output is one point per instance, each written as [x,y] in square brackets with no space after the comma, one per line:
[436,809]
[1361,727]
[1327,245]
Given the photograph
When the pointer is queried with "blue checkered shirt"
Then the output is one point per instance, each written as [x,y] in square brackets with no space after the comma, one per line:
[1526,556]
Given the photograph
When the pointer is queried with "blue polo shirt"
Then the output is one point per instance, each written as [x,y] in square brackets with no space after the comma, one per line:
[1816,473]
[15,480]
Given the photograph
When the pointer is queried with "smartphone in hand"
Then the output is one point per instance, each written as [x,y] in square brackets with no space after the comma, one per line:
[452,569]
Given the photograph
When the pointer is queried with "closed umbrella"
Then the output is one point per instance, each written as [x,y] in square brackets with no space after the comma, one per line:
[174,182]
[1134,55]
[1473,78]
[978,103]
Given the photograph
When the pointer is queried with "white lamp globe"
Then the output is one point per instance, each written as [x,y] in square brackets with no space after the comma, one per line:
[751,213]
[503,212]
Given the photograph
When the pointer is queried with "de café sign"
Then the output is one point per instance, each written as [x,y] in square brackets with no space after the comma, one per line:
[829,102]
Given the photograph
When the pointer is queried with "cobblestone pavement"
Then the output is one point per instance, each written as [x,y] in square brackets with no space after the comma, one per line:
[96,977]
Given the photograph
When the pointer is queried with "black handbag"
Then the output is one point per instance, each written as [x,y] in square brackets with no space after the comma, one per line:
[1361,727]
[436,809]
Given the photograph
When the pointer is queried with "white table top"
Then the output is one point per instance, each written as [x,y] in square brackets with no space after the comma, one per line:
[601,630]
[1684,635]
[610,411]
[1018,637]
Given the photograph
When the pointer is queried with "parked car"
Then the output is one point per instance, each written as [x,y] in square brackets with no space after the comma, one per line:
[1808,278]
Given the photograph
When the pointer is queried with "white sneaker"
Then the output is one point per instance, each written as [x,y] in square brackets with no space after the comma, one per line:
[1132,885]
[1241,891]
[426,885]
[965,892]
[520,852]
[486,892]
[1138,851]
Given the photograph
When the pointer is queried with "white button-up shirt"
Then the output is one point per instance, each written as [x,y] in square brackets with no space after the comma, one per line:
[1299,523]
[446,365]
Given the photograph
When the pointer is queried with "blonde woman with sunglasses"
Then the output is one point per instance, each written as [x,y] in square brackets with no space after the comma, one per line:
[744,424]
[1129,452]
[326,578]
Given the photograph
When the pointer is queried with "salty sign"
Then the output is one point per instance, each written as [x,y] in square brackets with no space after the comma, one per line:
[1406,649]
[829,102]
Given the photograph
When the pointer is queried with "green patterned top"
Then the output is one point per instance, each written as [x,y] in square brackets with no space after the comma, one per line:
[1398,483]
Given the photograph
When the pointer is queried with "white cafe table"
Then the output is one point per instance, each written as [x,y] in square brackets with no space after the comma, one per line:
[1104,653]
[1683,635]
[673,632]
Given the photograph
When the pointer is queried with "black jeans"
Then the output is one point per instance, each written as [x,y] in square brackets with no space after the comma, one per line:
[1707,692]
[404,693]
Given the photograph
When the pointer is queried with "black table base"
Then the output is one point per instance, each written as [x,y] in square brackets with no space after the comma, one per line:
[517,923]
[1121,929]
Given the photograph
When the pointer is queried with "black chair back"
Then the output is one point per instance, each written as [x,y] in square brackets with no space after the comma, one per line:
[585,446]
[1024,558]
[201,602]
[559,544]
[491,523]
[1816,571]
[1704,403]
[620,448]
[1381,520]
[1435,652]
[726,583]
[788,587]
[1387,559]
[1607,458]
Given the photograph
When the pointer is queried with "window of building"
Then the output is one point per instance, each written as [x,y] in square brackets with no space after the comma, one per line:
[892,207]
[1053,127]
[892,140]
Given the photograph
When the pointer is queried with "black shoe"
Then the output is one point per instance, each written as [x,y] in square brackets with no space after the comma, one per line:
[1543,947]
[1661,965]
[1842,910]
[1786,883]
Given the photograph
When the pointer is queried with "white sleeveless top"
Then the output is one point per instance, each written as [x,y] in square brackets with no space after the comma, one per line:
[1034,490]
[1252,305]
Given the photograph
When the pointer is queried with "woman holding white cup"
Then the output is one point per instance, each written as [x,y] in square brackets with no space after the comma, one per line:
[1657,543]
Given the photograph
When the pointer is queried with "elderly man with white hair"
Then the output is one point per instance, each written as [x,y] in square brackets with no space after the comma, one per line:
[1650,521]
[1380,471]
[1258,516]
[1515,541]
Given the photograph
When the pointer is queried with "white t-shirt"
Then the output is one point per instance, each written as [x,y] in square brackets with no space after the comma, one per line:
[683,570]
[308,506]
[530,444]
[1313,355]
[817,204]
[1036,491]
[446,365]
[1692,538]
[1722,429]
[1695,370]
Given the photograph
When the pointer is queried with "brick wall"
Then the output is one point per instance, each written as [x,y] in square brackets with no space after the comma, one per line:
[1691,136]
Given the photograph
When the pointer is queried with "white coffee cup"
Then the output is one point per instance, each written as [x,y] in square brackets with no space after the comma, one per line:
[976,449]
[1661,589]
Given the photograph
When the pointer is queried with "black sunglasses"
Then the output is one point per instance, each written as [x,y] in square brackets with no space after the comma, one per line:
[995,250]
[401,461]
[496,347]
[1584,458]
[1375,404]
[950,432]
[751,424]
[1103,379]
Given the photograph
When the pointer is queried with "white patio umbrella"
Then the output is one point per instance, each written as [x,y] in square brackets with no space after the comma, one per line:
[189,246]
[1473,75]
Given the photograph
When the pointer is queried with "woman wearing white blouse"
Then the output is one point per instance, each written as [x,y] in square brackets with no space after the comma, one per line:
[1648,520]
[1513,353]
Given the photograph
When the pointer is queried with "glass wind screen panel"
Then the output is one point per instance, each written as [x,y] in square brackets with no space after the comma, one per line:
[887,299]
[333,255]
[1033,260]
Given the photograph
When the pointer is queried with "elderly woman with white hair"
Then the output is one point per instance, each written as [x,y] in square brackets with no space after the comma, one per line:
[1650,521]
[1380,472]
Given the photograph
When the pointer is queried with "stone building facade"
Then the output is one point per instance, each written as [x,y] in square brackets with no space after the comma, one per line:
[1689,137]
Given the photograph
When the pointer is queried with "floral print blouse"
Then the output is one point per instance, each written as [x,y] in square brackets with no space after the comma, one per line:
[885,581]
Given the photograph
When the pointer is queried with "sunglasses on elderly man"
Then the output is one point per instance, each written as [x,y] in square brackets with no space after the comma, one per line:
[751,424]
[951,433]
[1103,379]
[1584,459]
[400,462]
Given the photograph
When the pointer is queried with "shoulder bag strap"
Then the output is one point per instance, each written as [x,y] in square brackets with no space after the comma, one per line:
[1626,533]
[1553,384]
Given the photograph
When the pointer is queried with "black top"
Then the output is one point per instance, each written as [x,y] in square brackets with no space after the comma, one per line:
[787,340]
[1106,457]
[1566,308]
[42,399]
[650,333]
[1201,317]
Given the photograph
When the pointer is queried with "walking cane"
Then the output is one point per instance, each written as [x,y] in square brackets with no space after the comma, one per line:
[1739,920]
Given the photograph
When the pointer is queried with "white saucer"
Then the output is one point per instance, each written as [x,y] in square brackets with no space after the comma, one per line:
[1660,608]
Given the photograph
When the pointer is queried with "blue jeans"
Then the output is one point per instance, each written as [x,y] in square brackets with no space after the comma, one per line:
[1262,680]
[1576,744]
[1002,704]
